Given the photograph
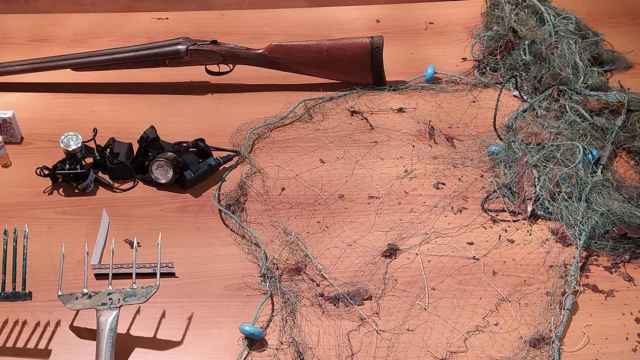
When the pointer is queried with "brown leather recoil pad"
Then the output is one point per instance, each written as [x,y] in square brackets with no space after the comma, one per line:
[377,61]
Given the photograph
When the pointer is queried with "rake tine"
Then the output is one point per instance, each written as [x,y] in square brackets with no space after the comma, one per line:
[61,270]
[113,242]
[159,246]
[5,240]
[25,247]
[15,259]
[135,257]
[85,277]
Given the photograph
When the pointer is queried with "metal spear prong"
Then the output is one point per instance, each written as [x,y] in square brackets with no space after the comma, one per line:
[25,251]
[135,257]
[85,276]
[113,246]
[159,256]
[61,270]
[5,240]
[14,265]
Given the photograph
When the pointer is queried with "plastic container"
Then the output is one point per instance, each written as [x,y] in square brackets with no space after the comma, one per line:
[9,128]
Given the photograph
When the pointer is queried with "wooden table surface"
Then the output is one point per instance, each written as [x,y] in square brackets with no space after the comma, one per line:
[215,279]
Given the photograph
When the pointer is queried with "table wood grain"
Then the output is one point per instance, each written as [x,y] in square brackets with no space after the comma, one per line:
[213,292]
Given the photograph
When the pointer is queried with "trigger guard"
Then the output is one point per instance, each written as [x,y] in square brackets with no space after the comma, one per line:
[219,73]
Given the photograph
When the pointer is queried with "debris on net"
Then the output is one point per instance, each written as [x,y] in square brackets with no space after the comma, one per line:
[354,296]
[572,149]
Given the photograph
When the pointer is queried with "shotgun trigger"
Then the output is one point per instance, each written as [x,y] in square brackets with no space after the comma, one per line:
[228,69]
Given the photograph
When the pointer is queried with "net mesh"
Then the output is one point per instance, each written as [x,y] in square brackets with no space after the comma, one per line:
[564,147]
[364,217]
[382,230]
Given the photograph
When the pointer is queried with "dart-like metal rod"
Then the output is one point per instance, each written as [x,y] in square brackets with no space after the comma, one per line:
[113,245]
[25,251]
[61,270]
[159,255]
[15,259]
[107,303]
[85,277]
[5,240]
[135,258]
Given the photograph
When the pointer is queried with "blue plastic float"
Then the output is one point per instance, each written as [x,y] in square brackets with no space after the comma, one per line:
[252,331]
[495,149]
[430,74]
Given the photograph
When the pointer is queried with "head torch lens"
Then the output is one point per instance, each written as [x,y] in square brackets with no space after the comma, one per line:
[71,142]
[163,168]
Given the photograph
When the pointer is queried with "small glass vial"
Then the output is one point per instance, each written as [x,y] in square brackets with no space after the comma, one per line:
[5,162]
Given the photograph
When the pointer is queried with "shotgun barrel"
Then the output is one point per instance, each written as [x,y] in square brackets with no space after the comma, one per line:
[156,51]
[355,60]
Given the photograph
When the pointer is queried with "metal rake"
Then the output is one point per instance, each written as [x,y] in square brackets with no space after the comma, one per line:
[107,303]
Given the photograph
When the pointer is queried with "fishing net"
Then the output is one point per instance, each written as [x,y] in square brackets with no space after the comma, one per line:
[559,145]
[571,151]
[382,228]
[362,212]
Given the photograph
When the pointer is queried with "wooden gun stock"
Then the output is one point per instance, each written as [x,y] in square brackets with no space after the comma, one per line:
[355,60]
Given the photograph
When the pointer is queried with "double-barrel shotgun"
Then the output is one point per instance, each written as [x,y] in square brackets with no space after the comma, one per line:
[355,60]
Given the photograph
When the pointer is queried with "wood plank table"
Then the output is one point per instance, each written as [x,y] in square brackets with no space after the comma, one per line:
[213,292]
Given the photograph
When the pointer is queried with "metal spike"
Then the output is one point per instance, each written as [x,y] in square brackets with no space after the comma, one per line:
[61,270]
[135,258]
[15,259]
[25,251]
[85,276]
[113,246]
[159,255]
[5,240]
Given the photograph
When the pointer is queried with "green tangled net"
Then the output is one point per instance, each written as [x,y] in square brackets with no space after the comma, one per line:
[560,146]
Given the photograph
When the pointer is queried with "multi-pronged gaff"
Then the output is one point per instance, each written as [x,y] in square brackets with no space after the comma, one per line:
[14,294]
[107,303]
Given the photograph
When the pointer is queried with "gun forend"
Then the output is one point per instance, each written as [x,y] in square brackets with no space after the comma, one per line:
[356,60]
